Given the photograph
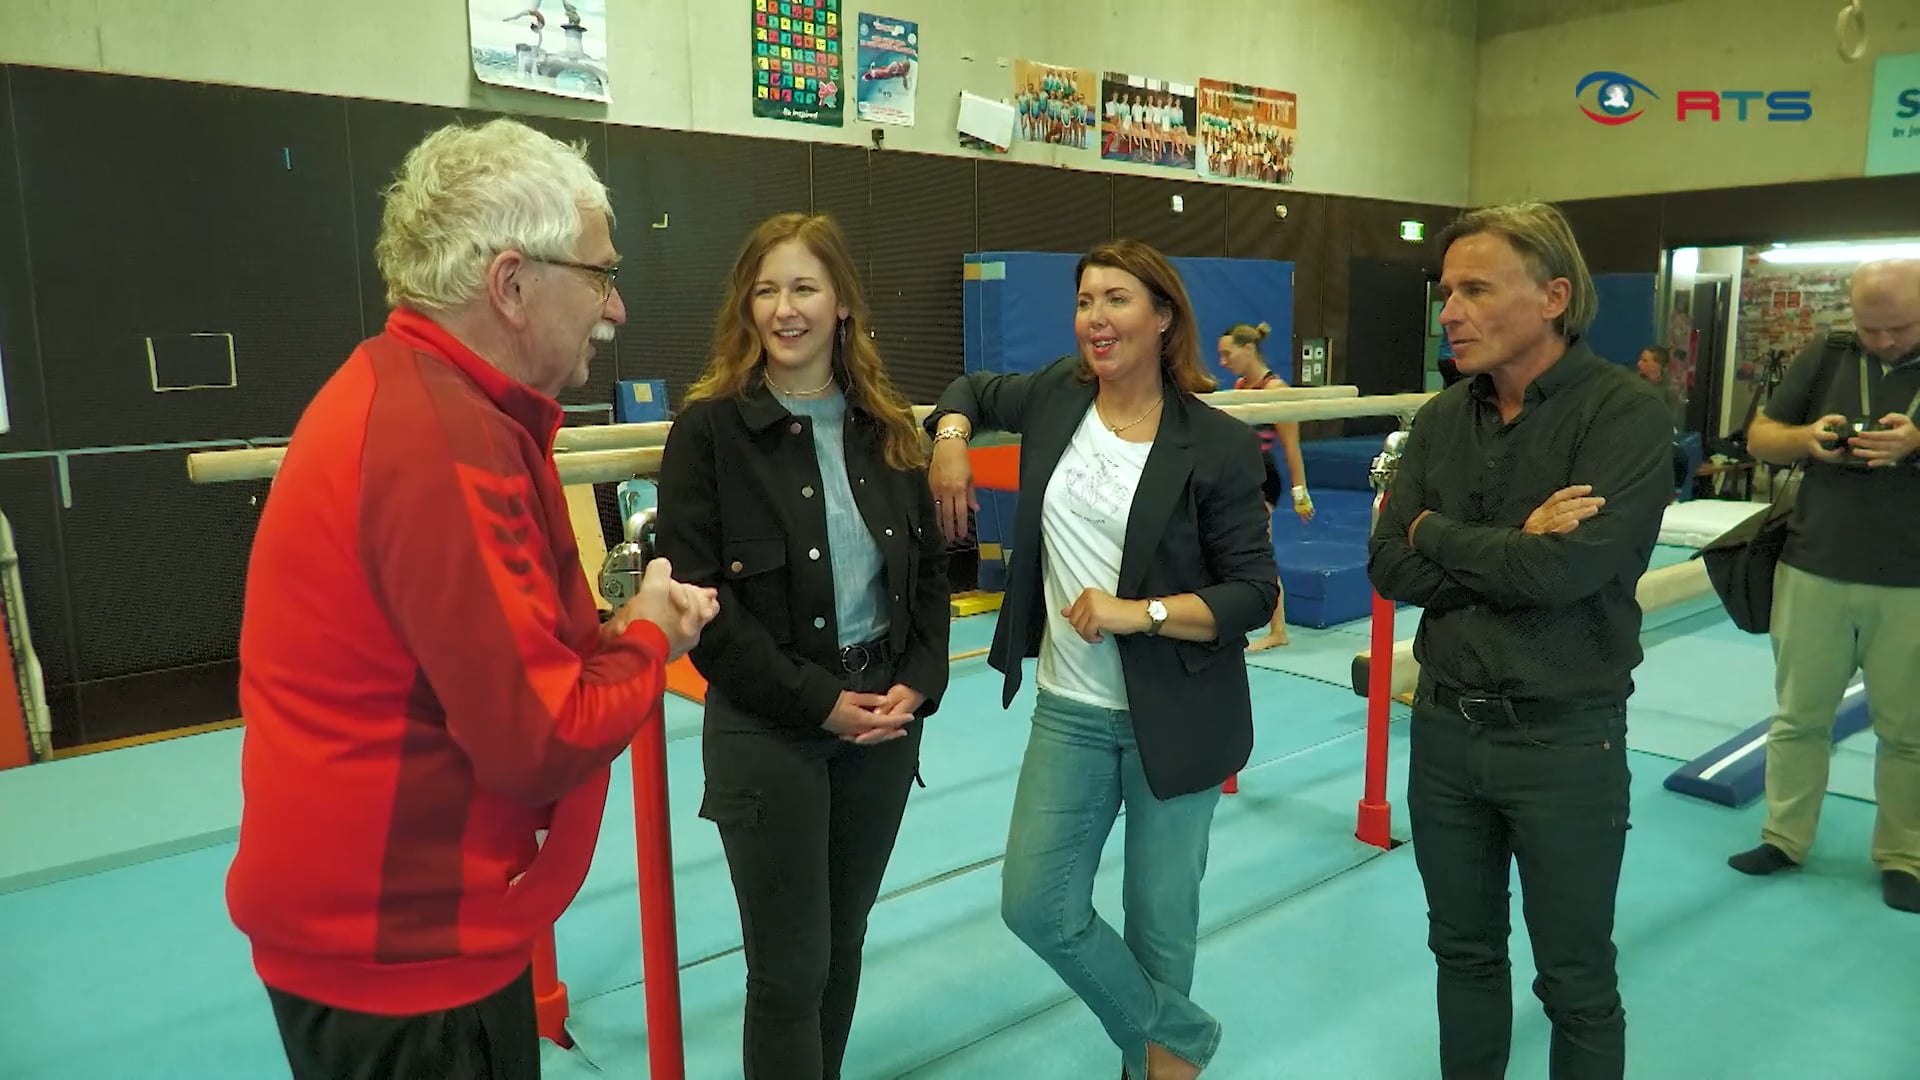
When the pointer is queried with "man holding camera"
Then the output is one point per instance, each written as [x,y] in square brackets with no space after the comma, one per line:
[1847,593]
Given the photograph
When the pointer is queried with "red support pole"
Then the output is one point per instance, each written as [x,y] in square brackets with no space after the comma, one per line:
[1375,824]
[549,993]
[659,940]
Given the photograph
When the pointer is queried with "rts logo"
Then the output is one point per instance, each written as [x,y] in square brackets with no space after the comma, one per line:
[1617,103]
[1616,98]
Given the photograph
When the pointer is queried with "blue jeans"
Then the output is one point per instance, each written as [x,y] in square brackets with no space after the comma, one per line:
[1081,766]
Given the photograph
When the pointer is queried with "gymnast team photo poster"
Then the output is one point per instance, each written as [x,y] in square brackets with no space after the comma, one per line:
[1146,121]
[554,47]
[1246,132]
[1055,104]
[796,62]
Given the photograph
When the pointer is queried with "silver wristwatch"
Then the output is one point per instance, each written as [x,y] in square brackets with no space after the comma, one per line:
[1157,614]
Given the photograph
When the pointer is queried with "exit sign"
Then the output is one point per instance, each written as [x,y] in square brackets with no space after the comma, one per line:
[1413,232]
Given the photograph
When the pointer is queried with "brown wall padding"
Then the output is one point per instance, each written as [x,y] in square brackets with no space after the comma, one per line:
[1827,210]
[156,565]
[19,342]
[160,207]
[923,222]
[1143,210]
[1618,236]
[1036,208]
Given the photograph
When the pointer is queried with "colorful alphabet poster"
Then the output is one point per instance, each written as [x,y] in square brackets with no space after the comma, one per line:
[1148,121]
[526,45]
[889,68]
[796,62]
[1055,104]
[1246,132]
[1893,134]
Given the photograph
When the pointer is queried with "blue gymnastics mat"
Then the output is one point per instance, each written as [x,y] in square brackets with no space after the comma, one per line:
[1019,306]
[1735,772]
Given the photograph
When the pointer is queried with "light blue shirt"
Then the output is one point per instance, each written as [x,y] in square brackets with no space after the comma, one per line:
[860,587]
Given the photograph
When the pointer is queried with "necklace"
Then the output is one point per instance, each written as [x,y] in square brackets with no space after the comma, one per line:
[777,388]
[1128,424]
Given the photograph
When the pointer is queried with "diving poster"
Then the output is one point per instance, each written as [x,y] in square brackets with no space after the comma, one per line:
[529,45]
[888,68]
[796,62]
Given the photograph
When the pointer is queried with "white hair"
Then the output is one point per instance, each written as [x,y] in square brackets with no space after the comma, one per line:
[466,194]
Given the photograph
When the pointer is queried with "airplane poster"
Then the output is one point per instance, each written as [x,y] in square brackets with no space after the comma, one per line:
[796,62]
[888,69]
[554,47]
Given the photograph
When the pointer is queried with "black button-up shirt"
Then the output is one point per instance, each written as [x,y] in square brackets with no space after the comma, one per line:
[1549,618]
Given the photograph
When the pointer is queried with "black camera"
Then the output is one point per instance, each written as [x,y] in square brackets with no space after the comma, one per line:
[1847,430]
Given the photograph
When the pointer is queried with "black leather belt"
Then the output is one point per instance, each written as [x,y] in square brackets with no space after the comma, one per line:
[861,657]
[1488,708]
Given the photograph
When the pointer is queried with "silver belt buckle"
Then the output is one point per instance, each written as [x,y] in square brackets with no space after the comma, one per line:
[846,658]
[1468,703]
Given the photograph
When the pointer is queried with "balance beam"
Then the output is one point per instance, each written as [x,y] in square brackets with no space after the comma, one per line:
[1734,773]
[1662,588]
[578,443]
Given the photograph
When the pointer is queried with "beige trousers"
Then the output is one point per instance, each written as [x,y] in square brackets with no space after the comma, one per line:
[1823,632]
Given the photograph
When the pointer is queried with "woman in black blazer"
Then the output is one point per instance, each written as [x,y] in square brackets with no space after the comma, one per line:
[1140,562]
[793,481]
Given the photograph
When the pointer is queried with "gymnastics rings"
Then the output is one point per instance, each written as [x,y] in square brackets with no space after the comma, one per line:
[1850,32]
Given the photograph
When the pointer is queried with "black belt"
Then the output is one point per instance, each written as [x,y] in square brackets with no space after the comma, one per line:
[861,657]
[1481,708]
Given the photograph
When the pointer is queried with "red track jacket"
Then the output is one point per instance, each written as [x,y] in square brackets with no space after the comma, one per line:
[425,687]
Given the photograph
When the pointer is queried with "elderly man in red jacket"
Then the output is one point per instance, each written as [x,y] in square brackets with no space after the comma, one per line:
[426,681]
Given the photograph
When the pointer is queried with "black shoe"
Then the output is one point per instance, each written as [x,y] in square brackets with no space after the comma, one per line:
[1901,889]
[1761,861]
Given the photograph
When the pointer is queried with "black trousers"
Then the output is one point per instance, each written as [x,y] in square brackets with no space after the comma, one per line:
[808,824]
[495,1038]
[1546,787]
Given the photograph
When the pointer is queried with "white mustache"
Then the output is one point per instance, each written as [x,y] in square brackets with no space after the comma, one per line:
[603,331]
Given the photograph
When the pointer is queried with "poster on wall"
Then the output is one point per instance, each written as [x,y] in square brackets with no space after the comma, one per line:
[1246,132]
[1055,104]
[796,62]
[528,45]
[1146,121]
[888,69]
[1893,133]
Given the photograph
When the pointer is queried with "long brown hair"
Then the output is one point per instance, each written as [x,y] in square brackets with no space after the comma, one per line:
[738,355]
[1180,345]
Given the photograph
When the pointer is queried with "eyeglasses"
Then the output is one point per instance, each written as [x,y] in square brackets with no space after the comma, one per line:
[604,274]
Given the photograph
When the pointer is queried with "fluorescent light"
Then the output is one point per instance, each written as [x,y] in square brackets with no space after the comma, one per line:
[1686,262]
[1841,253]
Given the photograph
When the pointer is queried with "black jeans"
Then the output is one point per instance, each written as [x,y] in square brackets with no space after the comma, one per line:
[495,1038]
[1546,786]
[808,823]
